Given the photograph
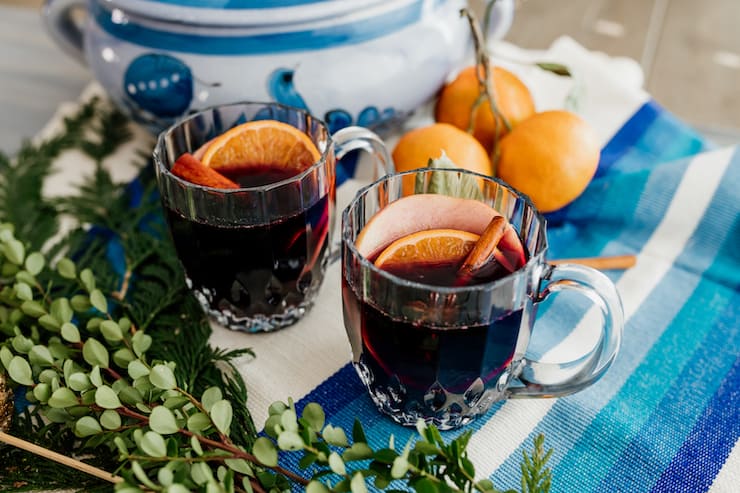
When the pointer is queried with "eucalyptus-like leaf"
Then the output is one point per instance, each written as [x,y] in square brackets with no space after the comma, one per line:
[80,303]
[14,251]
[35,263]
[315,486]
[265,452]
[88,280]
[277,408]
[25,277]
[98,301]
[358,451]
[110,330]
[93,324]
[22,344]
[165,476]
[124,323]
[122,357]
[6,356]
[130,396]
[314,415]
[33,308]
[62,398]
[107,398]
[357,485]
[221,415]
[42,392]
[290,440]
[335,436]
[110,419]
[176,488]
[62,310]
[141,342]
[176,402]
[400,467]
[95,377]
[137,368]
[95,353]
[153,444]
[23,291]
[162,377]
[20,371]
[40,355]
[163,421]
[66,268]
[336,464]
[200,473]
[195,445]
[211,396]
[239,465]
[142,476]
[289,421]
[198,422]
[87,426]
[79,381]
[50,323]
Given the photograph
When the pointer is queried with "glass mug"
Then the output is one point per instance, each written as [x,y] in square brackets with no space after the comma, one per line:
[255,256]
[446,354]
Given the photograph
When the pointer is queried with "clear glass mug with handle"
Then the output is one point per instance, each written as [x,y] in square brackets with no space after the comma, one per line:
[445,353]
[255,256]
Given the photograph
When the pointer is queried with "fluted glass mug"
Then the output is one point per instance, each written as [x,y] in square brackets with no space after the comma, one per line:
[255,256]
[446,354]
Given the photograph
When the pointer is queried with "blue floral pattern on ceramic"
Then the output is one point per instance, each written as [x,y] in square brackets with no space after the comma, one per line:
[159,84]
[281,88]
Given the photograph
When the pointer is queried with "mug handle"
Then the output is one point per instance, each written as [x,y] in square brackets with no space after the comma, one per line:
[349,139]
[540,379]
[352,138]
[59,21]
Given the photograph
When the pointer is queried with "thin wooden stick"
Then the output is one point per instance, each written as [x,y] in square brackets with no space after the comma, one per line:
[616,262]
[62,459]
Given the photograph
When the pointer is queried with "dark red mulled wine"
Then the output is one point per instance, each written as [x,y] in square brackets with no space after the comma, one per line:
[257,176]
[425,362]
[254,270]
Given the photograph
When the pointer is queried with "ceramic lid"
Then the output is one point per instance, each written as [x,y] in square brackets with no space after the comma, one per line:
[244,12]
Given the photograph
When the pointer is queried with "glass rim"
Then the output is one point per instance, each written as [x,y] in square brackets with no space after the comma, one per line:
[485,286]
[158,153]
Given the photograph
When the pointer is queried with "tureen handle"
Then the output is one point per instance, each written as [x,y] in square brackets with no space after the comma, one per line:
[64,26]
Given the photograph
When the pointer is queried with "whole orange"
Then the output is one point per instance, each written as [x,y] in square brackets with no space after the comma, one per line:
[416,147]
[552,157]
[455,104]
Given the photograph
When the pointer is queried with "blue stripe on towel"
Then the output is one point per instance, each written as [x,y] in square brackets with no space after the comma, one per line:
[717,430]
[641,463]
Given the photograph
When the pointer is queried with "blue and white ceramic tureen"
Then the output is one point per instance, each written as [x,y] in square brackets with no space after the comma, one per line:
[346,61]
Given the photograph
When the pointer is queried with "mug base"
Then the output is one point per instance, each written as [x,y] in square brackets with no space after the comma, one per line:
[254,323]
[437,406]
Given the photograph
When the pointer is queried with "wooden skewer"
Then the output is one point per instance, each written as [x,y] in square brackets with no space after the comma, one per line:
[62,459]
[616,262]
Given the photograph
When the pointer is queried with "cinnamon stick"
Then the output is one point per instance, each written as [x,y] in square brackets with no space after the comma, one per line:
[61,459]
[191,169]
[484,249]
[615,262]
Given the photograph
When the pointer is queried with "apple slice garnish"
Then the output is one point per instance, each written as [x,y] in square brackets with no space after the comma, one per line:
[420,212]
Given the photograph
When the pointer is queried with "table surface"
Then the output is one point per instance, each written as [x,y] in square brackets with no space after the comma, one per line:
[36,77]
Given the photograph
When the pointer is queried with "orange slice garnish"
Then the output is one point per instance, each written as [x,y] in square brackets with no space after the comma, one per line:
[262,143]
[423,212]
[428,246]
